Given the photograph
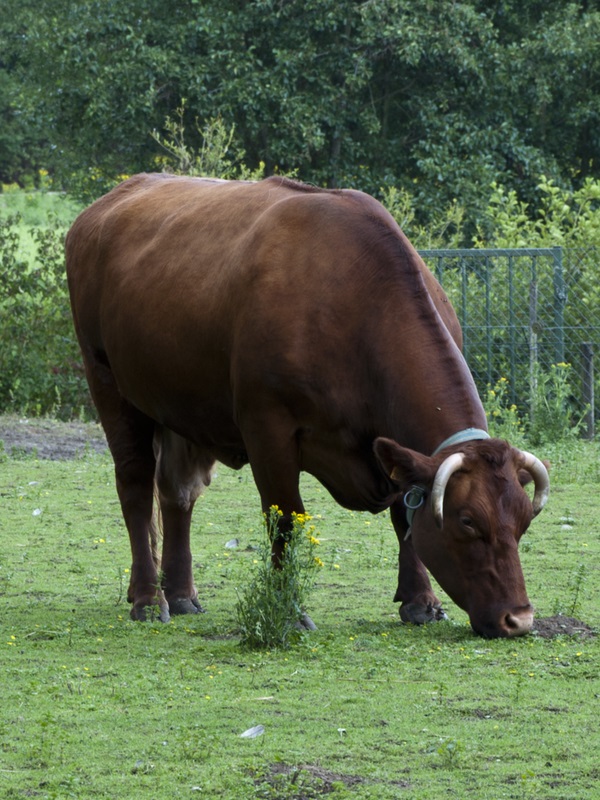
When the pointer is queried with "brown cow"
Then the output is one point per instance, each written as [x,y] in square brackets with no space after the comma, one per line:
[294,329]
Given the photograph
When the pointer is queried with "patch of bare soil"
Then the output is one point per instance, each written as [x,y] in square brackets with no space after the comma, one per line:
[306,782]
[549,627]
[49,438]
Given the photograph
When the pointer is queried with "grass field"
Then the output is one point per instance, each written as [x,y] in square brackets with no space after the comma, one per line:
[36,210]
[34,207]
[96,706]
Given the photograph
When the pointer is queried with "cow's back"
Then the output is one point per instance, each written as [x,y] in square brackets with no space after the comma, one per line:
[159,242]
[159,231]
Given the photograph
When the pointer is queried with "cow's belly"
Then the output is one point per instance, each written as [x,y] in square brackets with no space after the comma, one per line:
[201,411]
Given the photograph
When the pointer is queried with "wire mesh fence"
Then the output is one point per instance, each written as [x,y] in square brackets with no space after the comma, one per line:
[523,310]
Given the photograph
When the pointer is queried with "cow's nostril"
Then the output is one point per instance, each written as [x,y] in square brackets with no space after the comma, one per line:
[519,623]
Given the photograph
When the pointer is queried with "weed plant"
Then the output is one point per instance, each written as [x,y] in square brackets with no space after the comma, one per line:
[504,420]
[272,605]
[552,417]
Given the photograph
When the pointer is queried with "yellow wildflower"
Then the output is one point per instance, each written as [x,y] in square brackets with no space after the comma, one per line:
[301,519]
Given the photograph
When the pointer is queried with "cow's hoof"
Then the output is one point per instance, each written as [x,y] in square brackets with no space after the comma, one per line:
[305,623]
[185,605]
[142,613]
[419,614]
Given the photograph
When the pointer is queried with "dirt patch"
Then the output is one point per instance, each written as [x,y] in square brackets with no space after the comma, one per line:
[308,782]
[49,438]
[549,627]
[305,782]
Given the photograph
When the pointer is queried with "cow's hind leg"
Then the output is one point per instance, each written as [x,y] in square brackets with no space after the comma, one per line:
[129,434]
[183,470]
[418,601]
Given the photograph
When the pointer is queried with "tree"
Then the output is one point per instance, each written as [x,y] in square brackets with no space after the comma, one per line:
[19,144]
[438,98]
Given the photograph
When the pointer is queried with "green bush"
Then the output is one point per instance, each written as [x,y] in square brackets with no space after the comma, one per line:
[40,363]
[552,416]
[219,155]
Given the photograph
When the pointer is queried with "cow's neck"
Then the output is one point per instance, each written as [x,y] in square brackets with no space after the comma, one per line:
[453,416]
[421,389]
[436,387]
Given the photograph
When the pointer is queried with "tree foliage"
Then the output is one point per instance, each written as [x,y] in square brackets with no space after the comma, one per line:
[439,99]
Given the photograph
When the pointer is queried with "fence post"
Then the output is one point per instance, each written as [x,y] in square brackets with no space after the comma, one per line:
[512,328]
[464,307]
[587,363]
[533,337]
[560,299]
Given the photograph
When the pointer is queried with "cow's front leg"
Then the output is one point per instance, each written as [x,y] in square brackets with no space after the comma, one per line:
[272,446]
[419,604]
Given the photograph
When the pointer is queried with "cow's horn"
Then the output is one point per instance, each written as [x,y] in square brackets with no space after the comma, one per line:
[449,466]
[541,481]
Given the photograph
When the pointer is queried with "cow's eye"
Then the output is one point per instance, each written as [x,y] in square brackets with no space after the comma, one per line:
[467,522]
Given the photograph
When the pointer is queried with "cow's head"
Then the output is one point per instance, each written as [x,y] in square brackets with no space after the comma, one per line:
[468,528]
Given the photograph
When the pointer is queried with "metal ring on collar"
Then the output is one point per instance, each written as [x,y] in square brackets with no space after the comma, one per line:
[419,494]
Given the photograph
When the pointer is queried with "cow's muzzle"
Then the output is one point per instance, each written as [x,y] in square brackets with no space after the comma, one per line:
[508,624]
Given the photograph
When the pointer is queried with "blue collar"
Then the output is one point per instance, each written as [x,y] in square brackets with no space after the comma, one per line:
[468,435]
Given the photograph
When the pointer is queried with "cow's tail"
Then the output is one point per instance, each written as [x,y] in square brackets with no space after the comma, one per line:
[156,529]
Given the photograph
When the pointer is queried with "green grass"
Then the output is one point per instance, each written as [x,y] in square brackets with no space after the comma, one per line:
[96,706]
[37,209]
[35,206]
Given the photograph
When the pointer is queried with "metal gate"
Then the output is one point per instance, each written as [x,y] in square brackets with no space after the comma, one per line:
[514,307]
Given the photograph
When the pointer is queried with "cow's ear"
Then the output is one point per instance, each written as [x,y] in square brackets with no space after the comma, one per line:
[526,477]
[404,466]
